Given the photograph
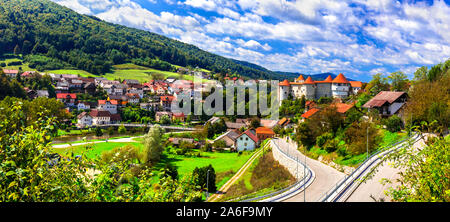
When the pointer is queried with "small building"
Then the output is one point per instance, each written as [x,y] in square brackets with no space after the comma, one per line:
[83,106]
[84,120]
[67,98]
[178,116]
[108,105]
[166,102]
[387,103]
[229,137]
[100,117]
[263,133]
[158,115]
[247,140]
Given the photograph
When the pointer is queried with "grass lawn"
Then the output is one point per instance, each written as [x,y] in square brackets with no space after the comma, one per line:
[225,164]
[24,66]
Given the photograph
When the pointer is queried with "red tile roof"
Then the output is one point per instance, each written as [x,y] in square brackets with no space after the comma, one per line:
[65,95]
[340,79]
[301,78]
[309,113]
[167,98]
[285,83]
[342,107]
[264,130]
[113,102]
[309,80]
[356,84]
[251,135]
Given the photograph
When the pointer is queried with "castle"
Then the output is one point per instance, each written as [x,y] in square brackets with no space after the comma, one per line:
[339,87]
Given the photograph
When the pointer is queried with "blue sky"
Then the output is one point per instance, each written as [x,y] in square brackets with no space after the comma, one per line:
[356,37]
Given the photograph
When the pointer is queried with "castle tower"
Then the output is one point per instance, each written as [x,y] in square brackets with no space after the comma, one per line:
[300,79]
[340,87]
[309,87]
[284,90]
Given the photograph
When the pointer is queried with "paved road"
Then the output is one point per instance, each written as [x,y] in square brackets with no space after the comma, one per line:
[373,186]
[325,176]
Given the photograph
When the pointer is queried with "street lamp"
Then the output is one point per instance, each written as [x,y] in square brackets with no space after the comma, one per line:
[367,142]
[207,187]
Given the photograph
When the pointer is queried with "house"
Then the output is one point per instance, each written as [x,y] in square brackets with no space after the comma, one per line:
[178,116]
[343,108]
[108,105]
[83,106]
[387,103]
[177,141]
[89,88]
[263,133]
[356,86]
[133,98]
[158,115]
[11,73]
[100,117]
[42,93]
[246,141]
[67,98]
[235,126]
[84,120]
[131,82]
[229,137]
[166,102]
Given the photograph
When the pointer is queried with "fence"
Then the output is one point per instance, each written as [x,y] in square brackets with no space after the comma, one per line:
[347,181]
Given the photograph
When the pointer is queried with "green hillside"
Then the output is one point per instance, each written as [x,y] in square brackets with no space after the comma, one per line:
[53,37]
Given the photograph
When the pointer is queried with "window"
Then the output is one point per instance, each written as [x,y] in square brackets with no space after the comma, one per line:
[245,144]
[246,138]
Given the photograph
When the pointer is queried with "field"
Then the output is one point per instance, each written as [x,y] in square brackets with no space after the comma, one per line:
[122,71]
[225,164]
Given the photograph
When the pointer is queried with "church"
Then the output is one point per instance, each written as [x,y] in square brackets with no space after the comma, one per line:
[338,87]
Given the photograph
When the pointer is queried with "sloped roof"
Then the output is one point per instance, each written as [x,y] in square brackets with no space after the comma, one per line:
[382,97]
[285,83]
[65,95]
[251,134]
[264,130]
[340,79]
[99,113]
[309,113]
[308,80]
[342,107]
[301,78]
[356,84]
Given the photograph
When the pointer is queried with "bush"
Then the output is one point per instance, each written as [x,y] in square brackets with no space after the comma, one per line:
[15,63]
[321,140]
[2,64]
[393,124]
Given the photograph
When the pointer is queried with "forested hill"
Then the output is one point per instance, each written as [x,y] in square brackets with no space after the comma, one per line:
[51,36]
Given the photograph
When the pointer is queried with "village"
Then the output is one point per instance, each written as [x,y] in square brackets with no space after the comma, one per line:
[155,97]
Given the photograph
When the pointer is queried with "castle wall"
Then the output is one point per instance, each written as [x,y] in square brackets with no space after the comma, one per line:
[323,90]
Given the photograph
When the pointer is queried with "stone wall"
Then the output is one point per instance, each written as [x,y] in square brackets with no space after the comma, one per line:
[296,169]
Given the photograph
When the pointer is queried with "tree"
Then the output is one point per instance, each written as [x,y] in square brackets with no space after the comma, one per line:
[421,73]
[304,135]
[377,84]
[206,179]
[255,123]
[122,130]
[153,146]
[17,50]
[424,176]
[356,137]
[98,131]
[399,81]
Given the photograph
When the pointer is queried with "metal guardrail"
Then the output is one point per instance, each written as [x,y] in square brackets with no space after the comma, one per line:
[288,190]
[344,182]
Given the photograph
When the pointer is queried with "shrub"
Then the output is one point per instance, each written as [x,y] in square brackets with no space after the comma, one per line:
[393,124]
[321,140]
